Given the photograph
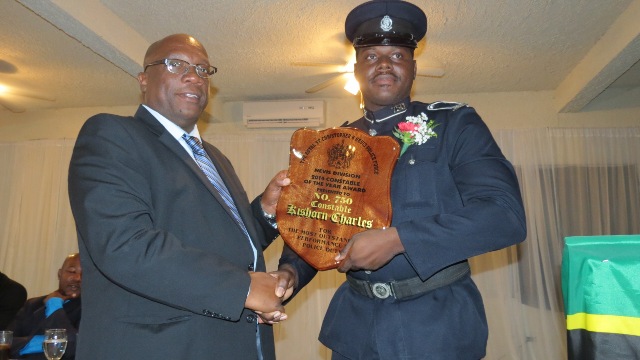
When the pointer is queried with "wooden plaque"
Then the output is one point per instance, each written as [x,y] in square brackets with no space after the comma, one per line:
[340,186]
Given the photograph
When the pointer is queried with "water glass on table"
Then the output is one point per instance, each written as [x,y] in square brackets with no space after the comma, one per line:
[55,343]
[6,337]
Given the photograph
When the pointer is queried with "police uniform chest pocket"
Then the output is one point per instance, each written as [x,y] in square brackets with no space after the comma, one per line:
[419,178]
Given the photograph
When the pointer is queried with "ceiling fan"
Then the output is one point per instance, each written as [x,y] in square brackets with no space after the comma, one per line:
[345,72]
[11,97]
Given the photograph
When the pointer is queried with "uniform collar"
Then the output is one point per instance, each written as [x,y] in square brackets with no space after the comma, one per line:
[387,112]
[383,121]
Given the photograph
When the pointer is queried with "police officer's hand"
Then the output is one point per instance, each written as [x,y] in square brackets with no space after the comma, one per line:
[370,250]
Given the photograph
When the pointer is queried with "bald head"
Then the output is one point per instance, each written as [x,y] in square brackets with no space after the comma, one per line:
[71,258]
[158,49]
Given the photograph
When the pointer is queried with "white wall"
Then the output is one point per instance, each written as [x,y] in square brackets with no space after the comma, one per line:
[499,110]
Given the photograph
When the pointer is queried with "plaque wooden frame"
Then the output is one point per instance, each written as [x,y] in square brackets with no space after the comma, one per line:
[340,185]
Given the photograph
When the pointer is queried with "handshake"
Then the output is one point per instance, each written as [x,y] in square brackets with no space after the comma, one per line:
[268,291]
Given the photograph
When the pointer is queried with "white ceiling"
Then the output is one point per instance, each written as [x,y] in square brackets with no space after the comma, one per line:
[82,53]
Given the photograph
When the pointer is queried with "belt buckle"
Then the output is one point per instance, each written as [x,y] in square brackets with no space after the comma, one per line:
[381,290]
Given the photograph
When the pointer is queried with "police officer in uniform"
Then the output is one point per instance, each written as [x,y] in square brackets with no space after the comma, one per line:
[409,294]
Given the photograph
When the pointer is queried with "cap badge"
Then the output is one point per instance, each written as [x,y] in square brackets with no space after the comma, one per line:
[386,23]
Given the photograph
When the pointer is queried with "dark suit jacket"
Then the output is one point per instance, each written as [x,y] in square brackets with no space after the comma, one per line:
[164,263]
[453,197]
[31,320]
[12,297]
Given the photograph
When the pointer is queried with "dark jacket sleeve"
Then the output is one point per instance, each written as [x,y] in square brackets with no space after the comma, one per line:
[270,233]
[12,297]
[31,321]
[304,271]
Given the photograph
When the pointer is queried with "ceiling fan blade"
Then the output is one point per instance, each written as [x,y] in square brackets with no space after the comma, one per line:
[311,63]
[323,84]
[431,71]
[32,95]
[7,67]
[9,106]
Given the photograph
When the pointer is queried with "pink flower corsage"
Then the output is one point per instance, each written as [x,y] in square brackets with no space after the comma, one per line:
[415,130]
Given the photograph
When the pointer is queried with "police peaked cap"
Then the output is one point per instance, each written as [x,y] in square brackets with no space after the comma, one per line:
[386,22]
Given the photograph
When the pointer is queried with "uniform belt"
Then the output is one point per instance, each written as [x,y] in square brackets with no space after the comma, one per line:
[409,287]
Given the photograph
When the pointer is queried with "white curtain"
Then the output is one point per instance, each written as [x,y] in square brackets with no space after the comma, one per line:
[37,230]
[573,181]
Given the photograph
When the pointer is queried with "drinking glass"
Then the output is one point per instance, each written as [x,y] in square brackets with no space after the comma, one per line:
[6,337]
[55,343]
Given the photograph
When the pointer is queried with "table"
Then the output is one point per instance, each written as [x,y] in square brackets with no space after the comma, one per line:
[601,291]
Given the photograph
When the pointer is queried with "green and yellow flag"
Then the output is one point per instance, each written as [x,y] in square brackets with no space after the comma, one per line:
[601,290]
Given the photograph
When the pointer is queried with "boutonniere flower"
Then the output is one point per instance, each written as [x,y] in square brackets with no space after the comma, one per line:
[415,130]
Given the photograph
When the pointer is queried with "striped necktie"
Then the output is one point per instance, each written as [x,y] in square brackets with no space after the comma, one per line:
[205,163]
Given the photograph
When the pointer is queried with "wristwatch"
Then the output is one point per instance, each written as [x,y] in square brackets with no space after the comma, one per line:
[270,218]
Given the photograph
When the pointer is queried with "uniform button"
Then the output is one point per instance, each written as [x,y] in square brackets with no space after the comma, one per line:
[250,267]
[250,318]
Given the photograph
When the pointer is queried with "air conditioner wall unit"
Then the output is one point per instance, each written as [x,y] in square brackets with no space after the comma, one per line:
[279,114]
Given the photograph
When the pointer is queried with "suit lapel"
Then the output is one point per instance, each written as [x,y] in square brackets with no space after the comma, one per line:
[231,180]
[170,142]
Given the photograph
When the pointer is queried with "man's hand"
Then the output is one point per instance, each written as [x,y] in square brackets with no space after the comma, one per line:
[272,193]
[370,250]
[286,277]
[286,280]
[271,318]
[58,294]
[262,297]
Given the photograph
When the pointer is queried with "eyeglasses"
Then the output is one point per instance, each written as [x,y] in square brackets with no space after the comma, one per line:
[181,67]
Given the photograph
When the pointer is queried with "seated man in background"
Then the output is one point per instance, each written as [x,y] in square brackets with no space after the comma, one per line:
[58,310]
[12,297]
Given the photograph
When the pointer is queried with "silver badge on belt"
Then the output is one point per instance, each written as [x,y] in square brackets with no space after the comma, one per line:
[381,290]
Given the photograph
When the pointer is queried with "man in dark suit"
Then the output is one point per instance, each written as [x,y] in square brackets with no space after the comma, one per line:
[409,294]
[170,245]
[59,310]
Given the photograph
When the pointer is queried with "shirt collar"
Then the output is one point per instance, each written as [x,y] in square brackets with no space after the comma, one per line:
[173,129]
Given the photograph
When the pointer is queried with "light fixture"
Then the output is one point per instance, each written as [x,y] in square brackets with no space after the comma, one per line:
[352,85]
[11,98]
